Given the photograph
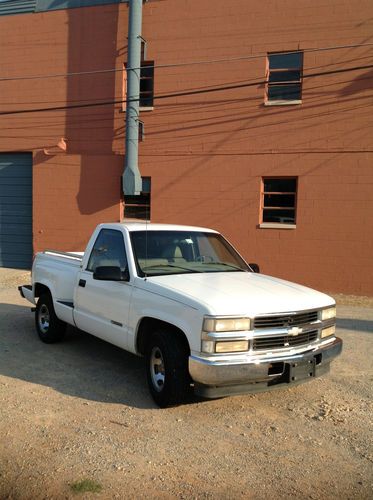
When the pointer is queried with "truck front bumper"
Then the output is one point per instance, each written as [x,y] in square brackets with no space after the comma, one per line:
[217,378]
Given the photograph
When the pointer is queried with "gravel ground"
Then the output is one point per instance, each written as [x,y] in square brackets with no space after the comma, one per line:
[80,410]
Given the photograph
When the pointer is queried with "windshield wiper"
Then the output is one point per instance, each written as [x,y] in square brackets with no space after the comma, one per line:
[237,268]
[157,266]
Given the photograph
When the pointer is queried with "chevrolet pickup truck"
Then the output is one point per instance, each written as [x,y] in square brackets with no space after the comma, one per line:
[183,298]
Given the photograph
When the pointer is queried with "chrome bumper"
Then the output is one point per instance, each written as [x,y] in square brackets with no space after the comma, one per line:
[27,293]
[214,378]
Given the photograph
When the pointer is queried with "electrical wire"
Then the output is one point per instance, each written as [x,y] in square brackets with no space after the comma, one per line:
[176,65]
[177,94]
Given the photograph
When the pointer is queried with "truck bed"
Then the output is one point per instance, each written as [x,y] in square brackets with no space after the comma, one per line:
[58,271]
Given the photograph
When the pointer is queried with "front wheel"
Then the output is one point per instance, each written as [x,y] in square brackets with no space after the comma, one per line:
[167,369]
[50,329]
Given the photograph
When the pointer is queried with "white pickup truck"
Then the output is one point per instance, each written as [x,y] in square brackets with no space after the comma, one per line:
[182,297]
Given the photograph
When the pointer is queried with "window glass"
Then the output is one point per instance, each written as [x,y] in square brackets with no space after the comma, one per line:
[108,250]
[147,84]
[146,184]
[284,77]
[137,211]
[279,200]
[280,61]
[284,93]
[180,252]
[275,185]
[279,216]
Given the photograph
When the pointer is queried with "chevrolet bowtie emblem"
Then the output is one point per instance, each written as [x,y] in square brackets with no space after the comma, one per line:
[295,331]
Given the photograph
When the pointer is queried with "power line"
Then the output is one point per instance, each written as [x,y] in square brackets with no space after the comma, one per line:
[176,65]
[177,94]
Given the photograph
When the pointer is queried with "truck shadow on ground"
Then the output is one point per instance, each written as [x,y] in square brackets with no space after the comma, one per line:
[80,366]
[361,325]
[83,366]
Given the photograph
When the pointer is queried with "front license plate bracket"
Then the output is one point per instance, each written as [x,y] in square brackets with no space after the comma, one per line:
[301,370]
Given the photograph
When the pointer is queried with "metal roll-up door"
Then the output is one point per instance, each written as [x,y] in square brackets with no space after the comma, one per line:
[16,210]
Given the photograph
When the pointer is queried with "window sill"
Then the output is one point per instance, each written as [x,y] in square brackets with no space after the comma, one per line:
[276,225]
[135,219]
[150,108]
[282,103]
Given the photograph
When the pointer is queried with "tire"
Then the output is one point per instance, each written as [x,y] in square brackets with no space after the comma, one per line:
[50,329]
[167,369]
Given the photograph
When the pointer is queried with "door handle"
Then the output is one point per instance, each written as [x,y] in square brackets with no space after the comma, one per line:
[82,283]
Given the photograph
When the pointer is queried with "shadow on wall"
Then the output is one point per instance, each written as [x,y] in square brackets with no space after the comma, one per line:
[92,45]
[82,366]
[359,84]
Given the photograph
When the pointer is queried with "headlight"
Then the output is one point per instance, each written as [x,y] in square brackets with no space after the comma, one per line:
[226,324]
[327,332]
[328,313]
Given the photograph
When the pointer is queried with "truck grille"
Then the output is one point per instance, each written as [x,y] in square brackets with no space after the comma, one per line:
[262,343]
[285,320]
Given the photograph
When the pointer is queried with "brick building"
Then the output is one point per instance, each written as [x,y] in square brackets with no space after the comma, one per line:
[256,120]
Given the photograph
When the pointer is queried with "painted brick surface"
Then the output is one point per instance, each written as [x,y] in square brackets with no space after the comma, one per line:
[206,153]
[72,194]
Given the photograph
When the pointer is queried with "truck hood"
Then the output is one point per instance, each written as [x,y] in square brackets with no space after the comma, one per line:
[238,293]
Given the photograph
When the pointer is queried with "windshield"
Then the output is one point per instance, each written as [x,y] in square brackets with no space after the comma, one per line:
[178,252]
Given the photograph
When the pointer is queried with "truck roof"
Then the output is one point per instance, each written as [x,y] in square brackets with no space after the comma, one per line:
[151,226]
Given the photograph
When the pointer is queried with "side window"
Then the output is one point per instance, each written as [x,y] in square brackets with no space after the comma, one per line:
[146,101]
[108,250]
[138,206]
[147,84]
[284,78]
[279,200]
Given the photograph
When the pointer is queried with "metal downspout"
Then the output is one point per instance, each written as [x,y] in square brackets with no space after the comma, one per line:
[131,180]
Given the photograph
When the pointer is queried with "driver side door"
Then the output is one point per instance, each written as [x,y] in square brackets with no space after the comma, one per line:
[102,307]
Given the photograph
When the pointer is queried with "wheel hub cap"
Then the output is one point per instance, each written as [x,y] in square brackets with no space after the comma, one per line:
[157,369]
[44,318]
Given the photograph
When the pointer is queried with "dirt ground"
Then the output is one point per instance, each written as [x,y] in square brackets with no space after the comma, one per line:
[80,410]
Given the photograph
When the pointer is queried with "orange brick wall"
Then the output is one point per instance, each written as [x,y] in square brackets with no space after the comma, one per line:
[71,195]
[205,153]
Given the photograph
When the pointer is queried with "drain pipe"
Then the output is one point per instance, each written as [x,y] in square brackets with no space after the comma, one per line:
[131,179]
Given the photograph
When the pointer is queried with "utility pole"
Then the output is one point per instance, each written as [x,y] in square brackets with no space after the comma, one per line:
[131,180]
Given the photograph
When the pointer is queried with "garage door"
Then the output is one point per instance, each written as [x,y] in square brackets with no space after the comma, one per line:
[16,210]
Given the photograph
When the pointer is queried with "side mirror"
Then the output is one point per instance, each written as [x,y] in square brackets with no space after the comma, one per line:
[110,273]
[255,268]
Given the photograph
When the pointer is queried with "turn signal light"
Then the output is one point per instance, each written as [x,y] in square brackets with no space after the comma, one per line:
[328,332]
[232,346]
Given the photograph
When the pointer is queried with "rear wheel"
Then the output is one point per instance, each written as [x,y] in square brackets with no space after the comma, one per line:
[50,329]
[167,369]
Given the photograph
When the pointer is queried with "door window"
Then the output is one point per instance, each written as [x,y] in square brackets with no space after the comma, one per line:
[108,250]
